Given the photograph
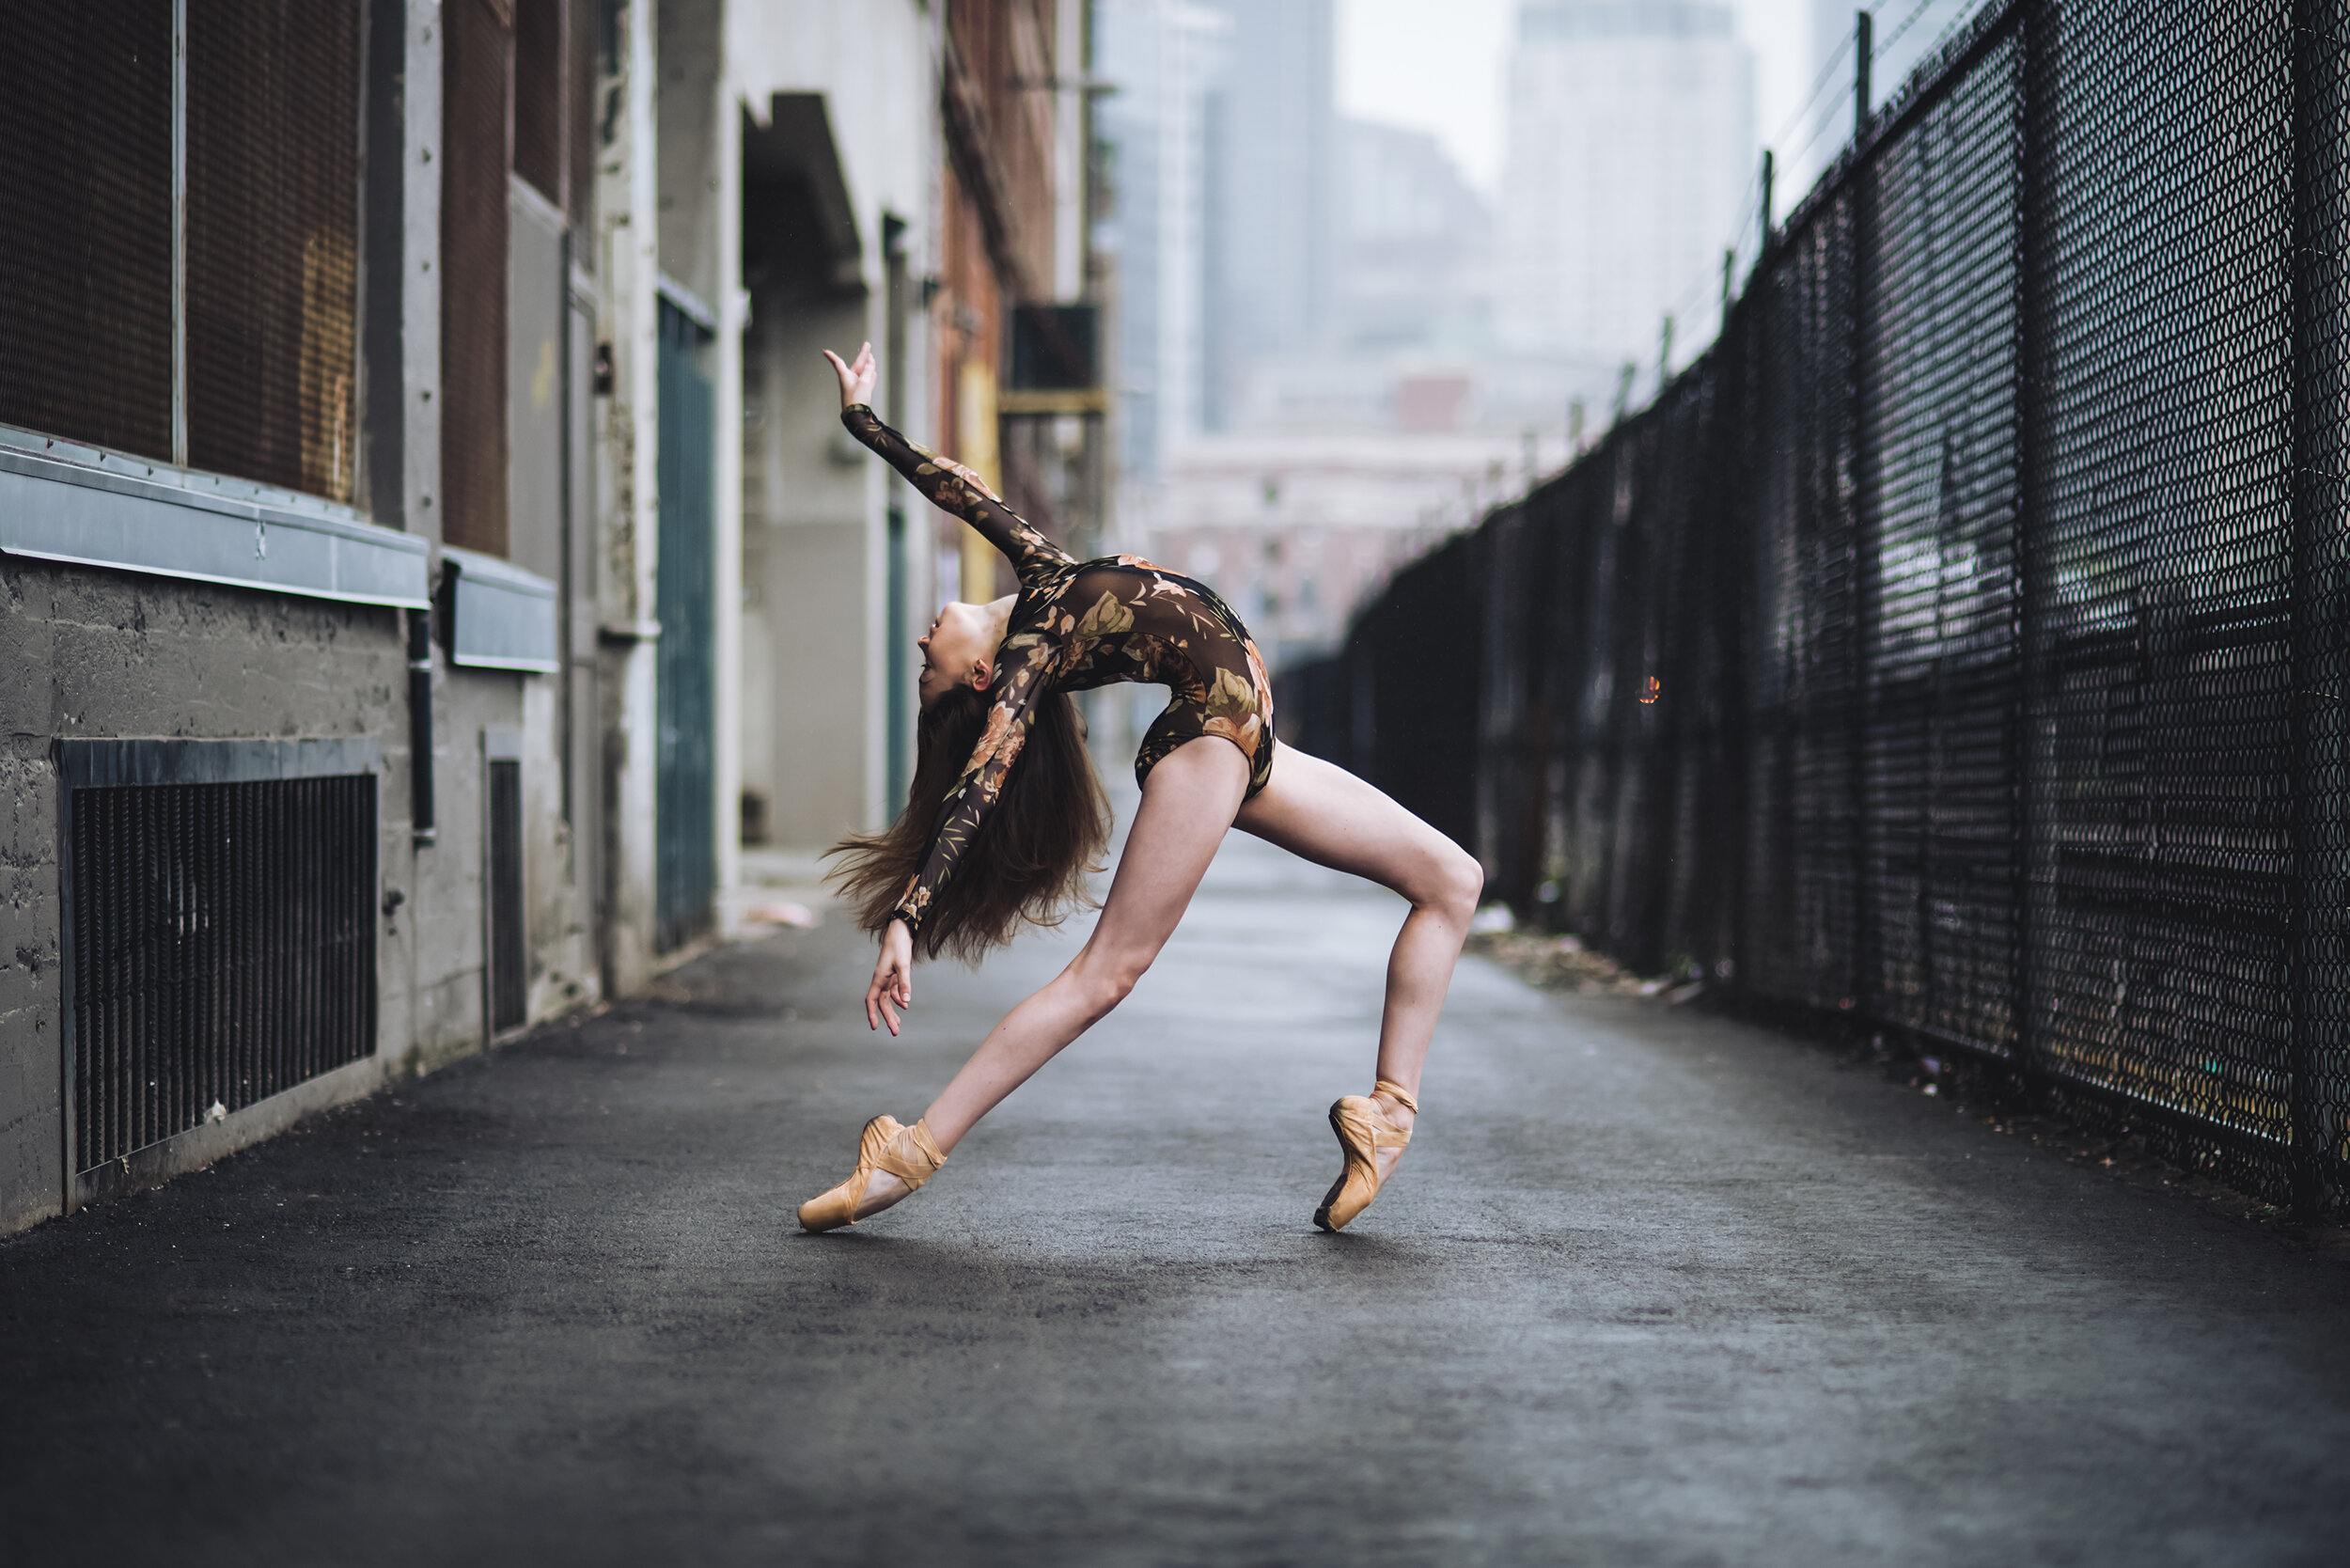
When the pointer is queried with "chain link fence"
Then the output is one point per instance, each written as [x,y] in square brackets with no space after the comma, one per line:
[1959,646]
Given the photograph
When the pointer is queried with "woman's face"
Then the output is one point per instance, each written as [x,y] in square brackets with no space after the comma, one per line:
[957,651]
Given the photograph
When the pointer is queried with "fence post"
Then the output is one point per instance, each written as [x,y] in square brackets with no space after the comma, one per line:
[2031,752]
[2320,314]
[1863,53]
[1860,524]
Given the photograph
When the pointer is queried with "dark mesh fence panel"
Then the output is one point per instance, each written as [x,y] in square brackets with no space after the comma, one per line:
[86,260]
[1963,646]
[2319,1074]
[273,239]
[1938,396]
[2160,956]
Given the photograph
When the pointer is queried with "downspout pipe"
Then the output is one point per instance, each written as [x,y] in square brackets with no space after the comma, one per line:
[421,815]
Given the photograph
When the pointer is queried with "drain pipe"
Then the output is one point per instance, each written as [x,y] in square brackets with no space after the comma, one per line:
[420,727]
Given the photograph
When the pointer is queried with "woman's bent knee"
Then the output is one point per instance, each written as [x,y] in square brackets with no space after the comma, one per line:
[1454,885]
[1105,981]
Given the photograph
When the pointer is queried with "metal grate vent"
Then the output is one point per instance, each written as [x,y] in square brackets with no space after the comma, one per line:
[509,976]
[224,950]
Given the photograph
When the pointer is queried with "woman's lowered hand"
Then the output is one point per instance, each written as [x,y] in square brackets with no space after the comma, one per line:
[856,380]
[893,975]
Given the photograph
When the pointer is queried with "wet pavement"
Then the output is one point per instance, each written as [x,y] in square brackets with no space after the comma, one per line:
[1651,1287]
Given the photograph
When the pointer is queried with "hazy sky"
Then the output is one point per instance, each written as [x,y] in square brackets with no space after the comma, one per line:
[1438,65]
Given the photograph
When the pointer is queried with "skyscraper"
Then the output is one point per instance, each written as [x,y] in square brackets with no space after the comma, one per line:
[1270,131]
[1414,241]
[1631,146]
[1163,57]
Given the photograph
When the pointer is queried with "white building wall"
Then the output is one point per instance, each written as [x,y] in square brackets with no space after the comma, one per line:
[813,660]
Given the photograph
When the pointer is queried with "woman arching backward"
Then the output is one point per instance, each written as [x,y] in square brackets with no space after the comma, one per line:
[1004,815]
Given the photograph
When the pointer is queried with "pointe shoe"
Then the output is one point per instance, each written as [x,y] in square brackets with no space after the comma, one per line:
[1363,1130]
[909,1153]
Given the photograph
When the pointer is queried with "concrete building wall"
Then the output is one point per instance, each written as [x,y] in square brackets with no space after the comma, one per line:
[543,383]
[99,652]
[95,654]
[626,242]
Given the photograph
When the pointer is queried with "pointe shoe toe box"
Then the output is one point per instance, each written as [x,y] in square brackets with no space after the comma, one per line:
[909,1153]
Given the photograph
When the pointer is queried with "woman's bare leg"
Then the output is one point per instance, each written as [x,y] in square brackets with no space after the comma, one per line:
[1321,812]
[1187,806]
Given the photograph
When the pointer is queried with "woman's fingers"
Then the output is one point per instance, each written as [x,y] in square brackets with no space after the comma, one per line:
[893,982]
[856,380]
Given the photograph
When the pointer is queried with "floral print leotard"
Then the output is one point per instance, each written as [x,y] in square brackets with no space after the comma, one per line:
[1077,625]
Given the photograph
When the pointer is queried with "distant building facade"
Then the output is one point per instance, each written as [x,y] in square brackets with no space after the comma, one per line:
[1297,531]
[1164,57]
[1630,148]
[1270,165]
[1412,262]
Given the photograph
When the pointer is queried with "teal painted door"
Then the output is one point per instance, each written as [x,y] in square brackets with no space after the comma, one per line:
[685,831]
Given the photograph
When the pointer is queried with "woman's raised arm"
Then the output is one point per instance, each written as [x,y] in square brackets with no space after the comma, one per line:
[946,483]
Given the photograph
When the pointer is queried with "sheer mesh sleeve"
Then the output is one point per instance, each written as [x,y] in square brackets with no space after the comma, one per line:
[954,489]
[1024,680]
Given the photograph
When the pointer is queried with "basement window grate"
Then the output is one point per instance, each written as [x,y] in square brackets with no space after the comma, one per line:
[221,930]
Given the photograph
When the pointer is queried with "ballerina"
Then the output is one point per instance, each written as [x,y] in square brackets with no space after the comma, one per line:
[1005,817]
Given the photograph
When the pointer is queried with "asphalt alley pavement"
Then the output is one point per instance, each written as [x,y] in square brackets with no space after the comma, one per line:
[1651,1287]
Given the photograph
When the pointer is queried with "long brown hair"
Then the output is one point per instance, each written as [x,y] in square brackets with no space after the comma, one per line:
[1030,859]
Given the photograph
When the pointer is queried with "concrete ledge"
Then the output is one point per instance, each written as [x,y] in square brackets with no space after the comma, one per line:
[92,507]
[198,1146]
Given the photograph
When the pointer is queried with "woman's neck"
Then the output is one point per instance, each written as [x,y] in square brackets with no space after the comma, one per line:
[998,613]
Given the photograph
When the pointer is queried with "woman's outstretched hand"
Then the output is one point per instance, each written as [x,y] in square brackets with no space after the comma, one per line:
[893,972]
[857,383]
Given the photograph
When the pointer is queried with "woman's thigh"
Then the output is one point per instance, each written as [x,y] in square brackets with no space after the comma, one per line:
[1320,811]
[1187,806]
